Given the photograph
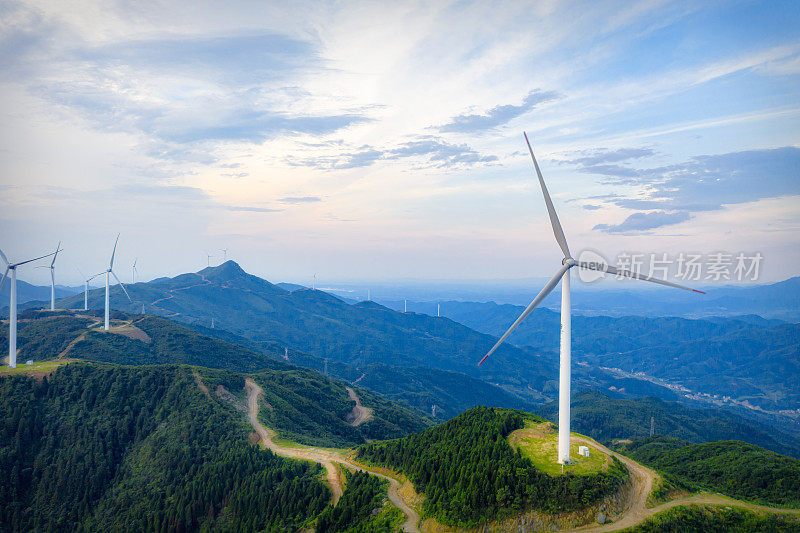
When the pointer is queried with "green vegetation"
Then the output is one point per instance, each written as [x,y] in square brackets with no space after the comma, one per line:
[364,495]
[307,407]
[470,474]
[44,336]
[37,366]
[119,448]
[738,469]
[538,442]
[312,409]
[170,343]
[711,519]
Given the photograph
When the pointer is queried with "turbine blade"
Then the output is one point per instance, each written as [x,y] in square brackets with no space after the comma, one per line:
[58,249]
[536,301]
[2,282]
[5,259]
[111,264]
[81,273]
[34,259]
[629,274]
[557,230]
[122,285]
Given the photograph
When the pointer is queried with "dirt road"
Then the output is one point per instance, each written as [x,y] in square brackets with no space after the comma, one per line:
[644,480]
[360,413]
[328,459]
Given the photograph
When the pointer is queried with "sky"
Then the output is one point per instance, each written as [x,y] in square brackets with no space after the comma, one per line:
[377,140]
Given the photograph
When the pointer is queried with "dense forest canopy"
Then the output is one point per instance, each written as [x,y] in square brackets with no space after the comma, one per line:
[470,473]
[743,471]
[120,448]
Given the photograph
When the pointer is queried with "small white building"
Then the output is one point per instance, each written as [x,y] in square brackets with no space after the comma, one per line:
[583,450]
[29,362]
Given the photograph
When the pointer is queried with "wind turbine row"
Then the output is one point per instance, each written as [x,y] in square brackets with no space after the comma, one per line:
[567,263]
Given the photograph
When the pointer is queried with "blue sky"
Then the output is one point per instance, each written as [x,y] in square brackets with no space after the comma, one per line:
[381,141]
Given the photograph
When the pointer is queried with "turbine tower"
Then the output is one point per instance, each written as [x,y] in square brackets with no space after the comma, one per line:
[86,289]
[53,278]
[563,276]
[110,272]
[224,254]
[12,307]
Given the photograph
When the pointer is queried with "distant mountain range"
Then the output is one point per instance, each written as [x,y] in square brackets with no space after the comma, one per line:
[773,301]
[27,292]
[703,358]
[427,360]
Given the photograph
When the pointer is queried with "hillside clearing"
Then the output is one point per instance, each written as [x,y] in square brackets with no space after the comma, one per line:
[539,443]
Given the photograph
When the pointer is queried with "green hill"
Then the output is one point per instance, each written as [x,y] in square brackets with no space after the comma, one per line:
[314,408]
[711,519]
[737,469]
[470,474]
[98,448]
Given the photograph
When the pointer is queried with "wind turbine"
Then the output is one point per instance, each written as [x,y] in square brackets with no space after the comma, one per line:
[53,278]
[12,307]
[208,257]
[563,276]
[86,289]
[133,274]
[110,272]
[224,254]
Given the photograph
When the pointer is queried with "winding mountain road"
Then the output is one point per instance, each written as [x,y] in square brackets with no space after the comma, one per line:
[644,480]
[328,459]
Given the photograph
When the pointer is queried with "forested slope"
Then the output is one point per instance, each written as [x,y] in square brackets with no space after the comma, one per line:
[311,408]
[470,474]
[737,469]
[120,448]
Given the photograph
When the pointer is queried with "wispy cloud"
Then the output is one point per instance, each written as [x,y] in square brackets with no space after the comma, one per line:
[638,222]
[704,183]
[250,209]
[498,115]
[426,151]
[299,199]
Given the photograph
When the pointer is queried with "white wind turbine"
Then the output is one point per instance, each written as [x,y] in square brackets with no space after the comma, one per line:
[110,272]
[52,268]
[86,288]
[133,274]
[12,307]
[53,278]
[563,275]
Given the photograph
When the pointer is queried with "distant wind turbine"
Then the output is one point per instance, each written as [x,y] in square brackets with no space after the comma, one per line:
[110,272]
[12,307]
[224,254]
[563,275]
[52,268]
[133,274]
[86,289]
[209,256]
